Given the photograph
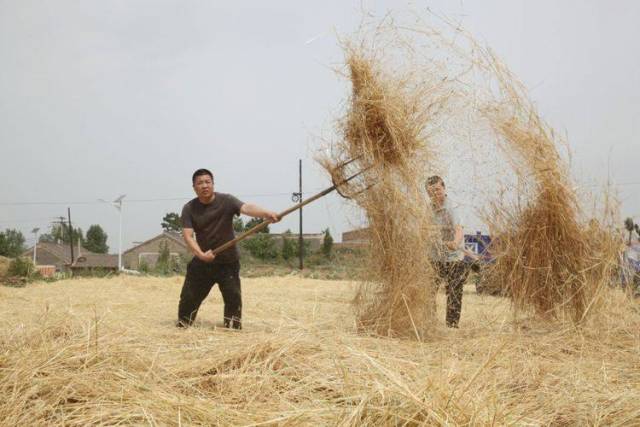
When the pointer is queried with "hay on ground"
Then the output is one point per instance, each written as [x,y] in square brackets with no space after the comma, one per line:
[86,351]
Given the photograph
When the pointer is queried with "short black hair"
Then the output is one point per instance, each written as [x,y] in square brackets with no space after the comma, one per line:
[201,172]
[434,179]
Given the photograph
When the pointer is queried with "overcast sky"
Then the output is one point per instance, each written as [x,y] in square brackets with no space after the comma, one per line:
[103,98]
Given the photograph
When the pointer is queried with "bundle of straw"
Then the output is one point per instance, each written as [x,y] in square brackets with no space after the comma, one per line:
[385,130]
[544,251]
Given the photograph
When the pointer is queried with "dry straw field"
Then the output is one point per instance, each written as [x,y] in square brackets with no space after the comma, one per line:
[105,351]
[564,349]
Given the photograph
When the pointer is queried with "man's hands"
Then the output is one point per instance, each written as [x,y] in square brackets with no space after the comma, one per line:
[207,256]
[272,216]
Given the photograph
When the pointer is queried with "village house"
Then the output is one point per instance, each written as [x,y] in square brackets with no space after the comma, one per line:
[147,252]
[92,264]
[54,254]
[353,239]
[313,241]
[56,257]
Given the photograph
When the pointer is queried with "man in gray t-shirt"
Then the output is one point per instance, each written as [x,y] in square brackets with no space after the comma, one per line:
[446,254]
[210,217]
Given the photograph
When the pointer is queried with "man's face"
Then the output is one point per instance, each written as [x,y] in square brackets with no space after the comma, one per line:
[203,186]
[436,193]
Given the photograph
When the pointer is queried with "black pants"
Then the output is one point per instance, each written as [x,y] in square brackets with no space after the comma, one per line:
[198,282]
[454,274]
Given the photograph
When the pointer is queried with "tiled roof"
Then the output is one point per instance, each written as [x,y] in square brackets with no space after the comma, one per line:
[177,237]
[91,260]
[60,251]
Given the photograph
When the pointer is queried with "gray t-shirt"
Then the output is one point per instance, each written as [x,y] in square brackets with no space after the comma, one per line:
[213,224]
[446,218]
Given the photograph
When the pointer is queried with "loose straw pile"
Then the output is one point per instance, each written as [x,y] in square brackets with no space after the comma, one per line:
[545,253]
[385,130]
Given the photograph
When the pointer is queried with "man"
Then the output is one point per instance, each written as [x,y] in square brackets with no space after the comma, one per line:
[210,216]
[448,255]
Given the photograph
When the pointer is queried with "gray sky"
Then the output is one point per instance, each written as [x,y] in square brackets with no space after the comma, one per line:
[102,98]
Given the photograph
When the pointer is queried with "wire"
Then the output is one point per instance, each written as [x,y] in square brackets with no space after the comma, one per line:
[125,201]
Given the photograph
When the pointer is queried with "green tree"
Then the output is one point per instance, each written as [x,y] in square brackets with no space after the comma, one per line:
[327,243]
[629,225]
[238,224]
[47,238]
[21,267]
[171,222]
[62,233]
[288,245]
[163,264]
[306,246]
[11,243]
[96,240]
[261,246]
[143,267]
[253,222]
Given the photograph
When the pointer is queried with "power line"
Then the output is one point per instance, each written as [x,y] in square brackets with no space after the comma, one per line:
[169,199]
[24,221]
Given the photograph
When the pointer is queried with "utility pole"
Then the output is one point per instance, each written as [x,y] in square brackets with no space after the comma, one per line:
[117,203]
[297,198]
[35,245]
[70,234]
[300,239]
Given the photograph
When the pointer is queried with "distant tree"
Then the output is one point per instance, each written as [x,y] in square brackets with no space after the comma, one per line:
[96,240]
[21,267]
[61,233]
[171,222]
[143,267]
[167,262]
[11,243]
[253,222]
[163,264]
[327,243]
[637,227]
[261,246]
[288,245]
[47,238]
[238,224]
[629,225]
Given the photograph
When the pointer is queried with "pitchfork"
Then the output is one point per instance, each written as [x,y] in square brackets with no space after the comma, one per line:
[265,223]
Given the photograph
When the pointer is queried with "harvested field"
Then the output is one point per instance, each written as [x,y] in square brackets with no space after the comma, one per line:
[105,351]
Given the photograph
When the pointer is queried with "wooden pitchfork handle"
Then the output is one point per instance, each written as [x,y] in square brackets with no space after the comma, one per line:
[265,223]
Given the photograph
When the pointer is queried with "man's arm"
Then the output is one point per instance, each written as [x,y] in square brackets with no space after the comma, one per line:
[258,212]
[191,242]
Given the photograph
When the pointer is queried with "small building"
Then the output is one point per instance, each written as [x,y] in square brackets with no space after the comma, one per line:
[313,240]
[91,264]
[354,239]
[148,251]
[54,254]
